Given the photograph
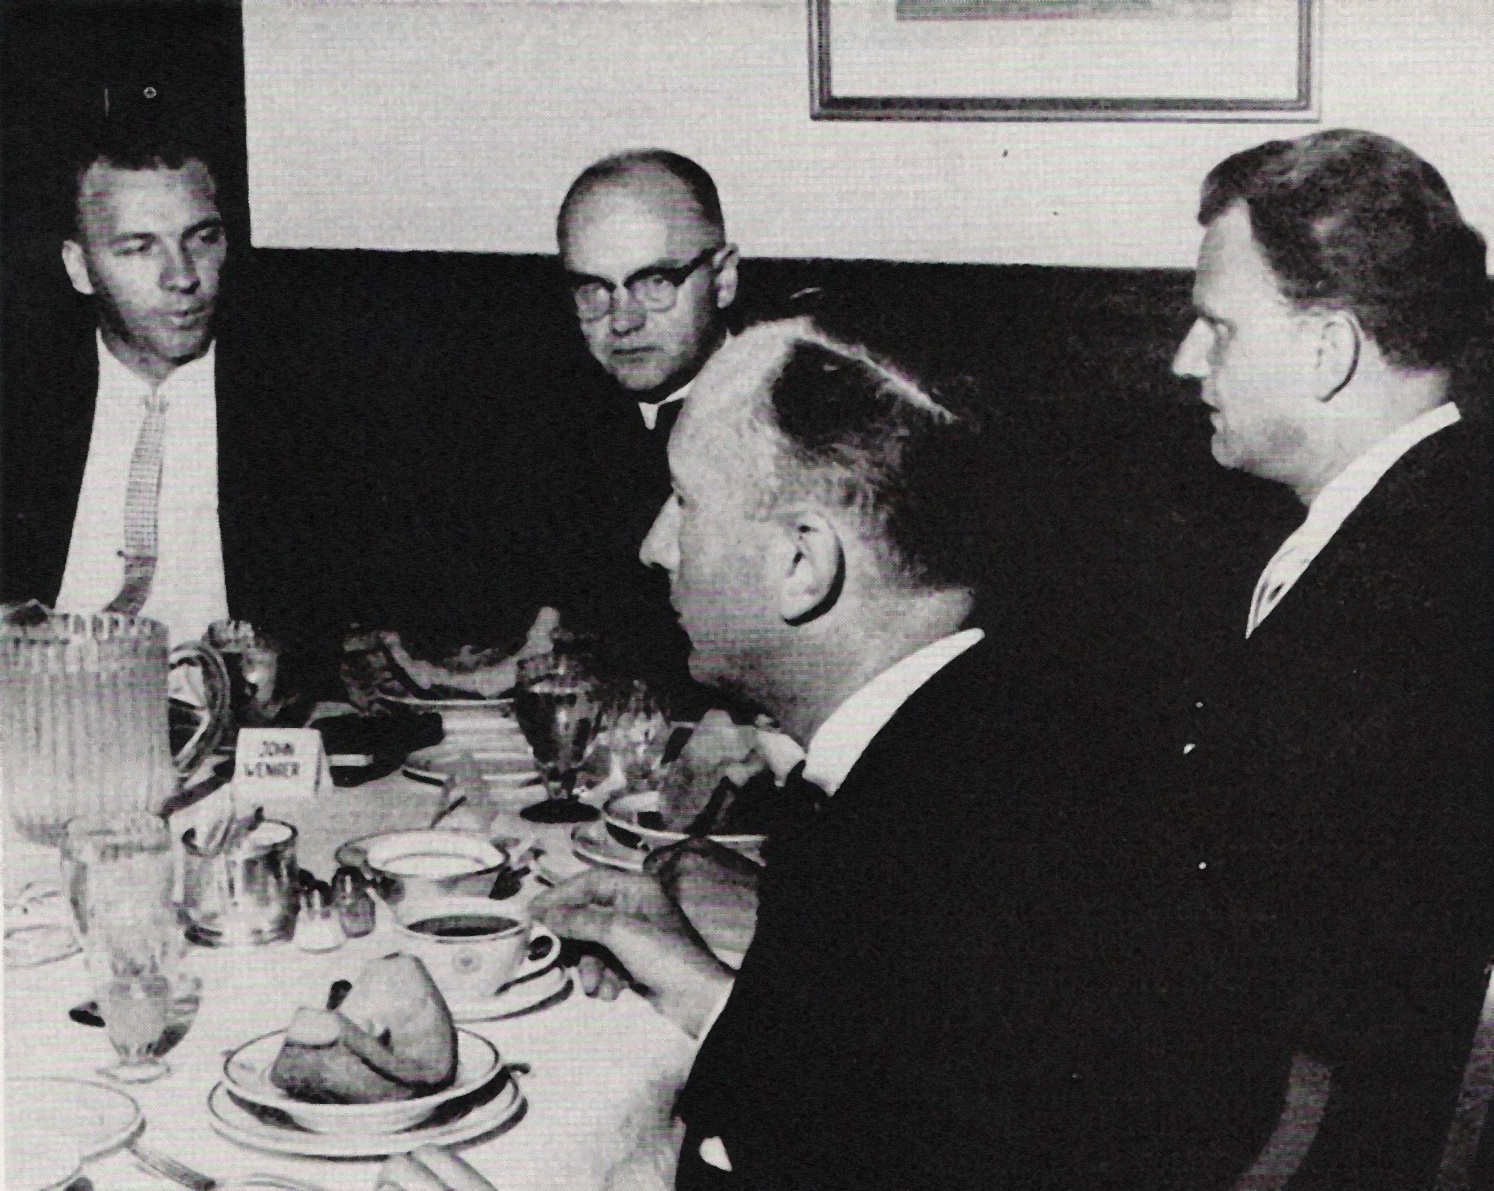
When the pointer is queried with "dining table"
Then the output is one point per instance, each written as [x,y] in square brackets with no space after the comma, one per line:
[597,1077]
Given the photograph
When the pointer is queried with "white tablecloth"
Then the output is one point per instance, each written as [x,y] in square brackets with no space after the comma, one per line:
[602,1074]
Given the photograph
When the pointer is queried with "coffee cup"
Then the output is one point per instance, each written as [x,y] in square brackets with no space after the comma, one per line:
[472,946]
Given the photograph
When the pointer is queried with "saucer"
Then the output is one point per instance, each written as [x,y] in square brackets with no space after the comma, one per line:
[494,1107]
[592,843]
[539,991]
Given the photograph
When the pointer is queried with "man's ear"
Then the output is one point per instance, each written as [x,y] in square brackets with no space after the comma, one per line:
[726,278]
[1338,346]
[75,261]
[813,567]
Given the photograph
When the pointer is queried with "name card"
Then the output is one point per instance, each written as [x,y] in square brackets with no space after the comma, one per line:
[286,761]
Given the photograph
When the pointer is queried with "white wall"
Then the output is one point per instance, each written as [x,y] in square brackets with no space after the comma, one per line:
[450,125]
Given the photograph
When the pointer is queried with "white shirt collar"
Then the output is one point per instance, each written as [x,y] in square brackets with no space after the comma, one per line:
[1332,506]
[1341,495]
[650,410]
[841,739]
[117,381]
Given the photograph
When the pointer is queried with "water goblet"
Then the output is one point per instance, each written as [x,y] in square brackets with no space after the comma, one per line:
[135,846]
[557,707]
[133,951]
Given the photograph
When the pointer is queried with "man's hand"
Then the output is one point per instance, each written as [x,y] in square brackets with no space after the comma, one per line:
[717,750]
[632,917]
[714,886]
[429,1168]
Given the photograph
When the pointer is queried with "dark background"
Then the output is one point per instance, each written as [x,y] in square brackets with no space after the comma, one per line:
[439,395]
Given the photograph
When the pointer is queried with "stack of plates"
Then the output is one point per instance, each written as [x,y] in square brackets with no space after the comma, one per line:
[247,1108]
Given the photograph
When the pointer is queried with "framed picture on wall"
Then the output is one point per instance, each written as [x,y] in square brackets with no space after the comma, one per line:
[1064,59]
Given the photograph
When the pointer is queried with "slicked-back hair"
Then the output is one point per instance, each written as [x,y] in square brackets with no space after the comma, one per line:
[638,163]
[135,143]
[1356,221]
[856,432]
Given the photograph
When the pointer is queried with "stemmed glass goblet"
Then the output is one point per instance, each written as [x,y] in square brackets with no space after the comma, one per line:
[557,707]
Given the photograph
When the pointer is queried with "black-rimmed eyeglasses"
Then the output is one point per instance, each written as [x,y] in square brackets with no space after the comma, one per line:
[656,288]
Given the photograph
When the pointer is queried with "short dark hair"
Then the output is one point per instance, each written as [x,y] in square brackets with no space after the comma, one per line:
[135,142]
[858,432]
[1358,221]
[634,162]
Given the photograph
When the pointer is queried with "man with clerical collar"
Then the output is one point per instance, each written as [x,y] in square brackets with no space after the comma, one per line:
[958,978]
[643,243]
[1339,769]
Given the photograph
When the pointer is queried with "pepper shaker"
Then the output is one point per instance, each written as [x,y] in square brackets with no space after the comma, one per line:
[318,927]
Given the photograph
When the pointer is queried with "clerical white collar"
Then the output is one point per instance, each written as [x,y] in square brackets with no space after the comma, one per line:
[650,410]
[841,739]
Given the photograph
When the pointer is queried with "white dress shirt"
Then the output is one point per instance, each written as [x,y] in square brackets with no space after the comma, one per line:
[1332,506]
[188,591]
[838,744]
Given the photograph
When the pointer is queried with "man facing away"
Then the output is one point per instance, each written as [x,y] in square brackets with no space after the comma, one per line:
[934,996]
[1337,780]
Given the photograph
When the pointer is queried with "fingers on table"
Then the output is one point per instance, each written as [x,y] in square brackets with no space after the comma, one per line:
[403,1173]
[450,1169]
[430,1168]
[597,979]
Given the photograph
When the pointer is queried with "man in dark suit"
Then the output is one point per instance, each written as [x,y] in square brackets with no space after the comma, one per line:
[237,484]
[651,276]
[948,985]
[1335,803]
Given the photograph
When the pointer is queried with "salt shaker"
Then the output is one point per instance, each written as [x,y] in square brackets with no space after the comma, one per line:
[355,905]
[318,928]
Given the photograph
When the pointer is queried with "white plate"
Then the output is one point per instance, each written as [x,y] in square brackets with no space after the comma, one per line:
[592,844]
[622,811]
[469,1118]
[88,1119]
[549,987]
[35,1162]
[502,763]
[248,1072]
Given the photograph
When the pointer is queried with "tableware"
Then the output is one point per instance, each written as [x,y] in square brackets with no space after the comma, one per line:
[546,988]
[500,1104]
[557,708]
[243,892]
[134,845]
[503,764]
[473,946]
[460,717]
[82,720]
[38,927]
[172,1169]
[425,864]
[34,1162]
[591,843]
[89,1118]
[621,813]
[247,1070]
[632,738]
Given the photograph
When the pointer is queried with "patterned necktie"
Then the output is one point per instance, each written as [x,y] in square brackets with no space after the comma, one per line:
[142,500]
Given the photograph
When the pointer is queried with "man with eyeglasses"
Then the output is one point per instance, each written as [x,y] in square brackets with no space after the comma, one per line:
[644,248]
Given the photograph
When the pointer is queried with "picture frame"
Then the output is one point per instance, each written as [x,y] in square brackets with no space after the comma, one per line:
[1118,60]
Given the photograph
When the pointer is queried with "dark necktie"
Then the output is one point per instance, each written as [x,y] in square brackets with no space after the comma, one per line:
[142,500]
[803,799]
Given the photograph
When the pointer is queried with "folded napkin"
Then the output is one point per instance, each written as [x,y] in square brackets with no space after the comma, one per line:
[388,739]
